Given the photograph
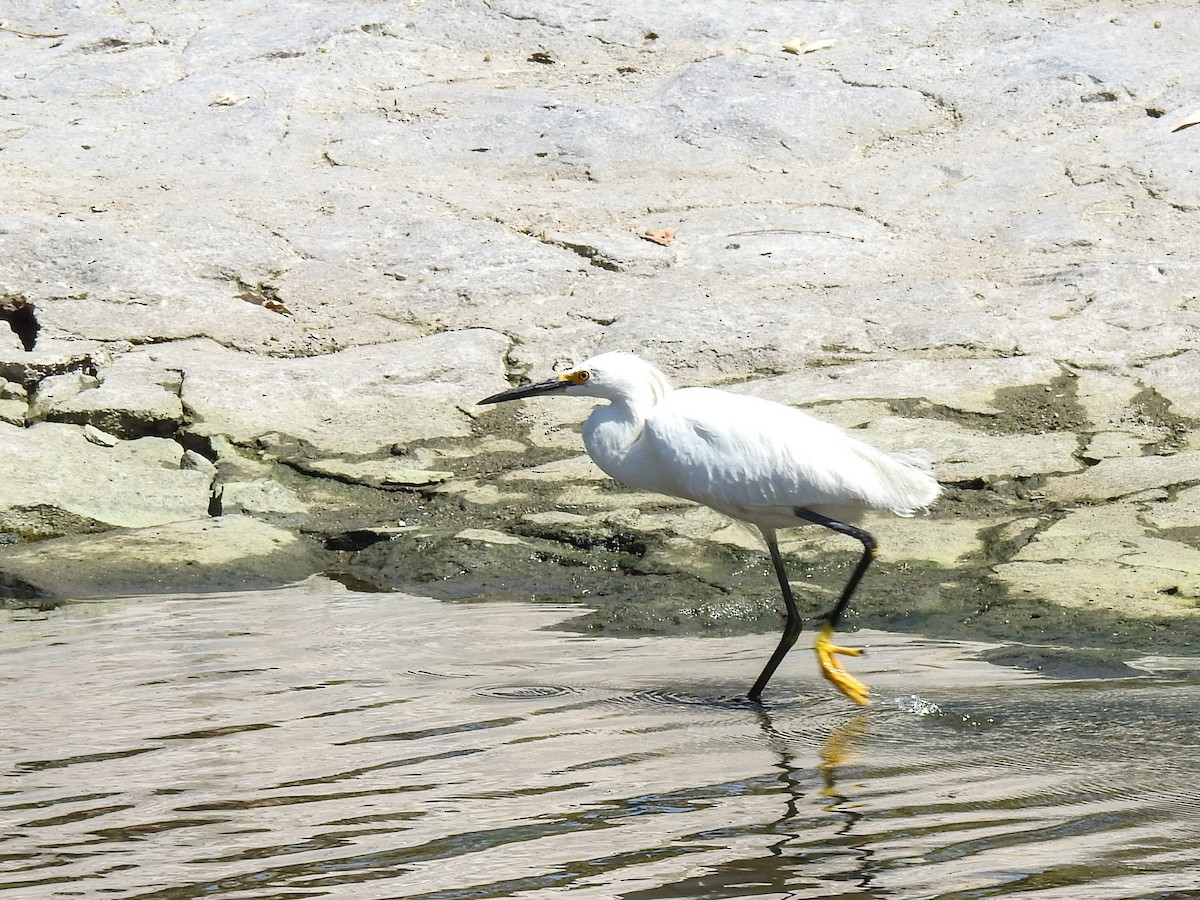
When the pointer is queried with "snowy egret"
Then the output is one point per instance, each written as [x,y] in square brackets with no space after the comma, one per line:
[751,459]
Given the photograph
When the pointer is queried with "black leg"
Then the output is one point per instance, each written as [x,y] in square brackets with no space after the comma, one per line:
[791,629]
[869,547]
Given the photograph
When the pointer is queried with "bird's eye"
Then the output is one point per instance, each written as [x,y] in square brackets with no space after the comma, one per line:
[584,376]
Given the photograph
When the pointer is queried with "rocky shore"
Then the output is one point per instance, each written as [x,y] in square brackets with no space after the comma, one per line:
[259,261]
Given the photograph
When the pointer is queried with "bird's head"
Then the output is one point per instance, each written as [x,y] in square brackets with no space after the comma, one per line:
[609,376]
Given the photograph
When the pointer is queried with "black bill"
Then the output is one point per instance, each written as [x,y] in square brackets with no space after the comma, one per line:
[528,390]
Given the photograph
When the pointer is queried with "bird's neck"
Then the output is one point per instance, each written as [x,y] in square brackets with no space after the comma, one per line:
[611,432]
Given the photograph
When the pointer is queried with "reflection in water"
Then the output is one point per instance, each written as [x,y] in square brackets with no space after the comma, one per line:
[839,748]
[315,742]
[787,868]
[836,751]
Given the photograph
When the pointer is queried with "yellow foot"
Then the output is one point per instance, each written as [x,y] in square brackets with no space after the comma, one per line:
[832,669]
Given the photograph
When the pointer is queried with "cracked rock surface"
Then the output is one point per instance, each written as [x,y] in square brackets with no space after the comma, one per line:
[258,262]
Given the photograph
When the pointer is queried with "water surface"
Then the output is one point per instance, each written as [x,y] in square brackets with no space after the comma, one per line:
[315,742]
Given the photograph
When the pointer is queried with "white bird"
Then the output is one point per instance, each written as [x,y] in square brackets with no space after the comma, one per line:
[761,462]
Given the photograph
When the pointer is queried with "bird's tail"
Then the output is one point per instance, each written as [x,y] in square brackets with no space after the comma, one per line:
[911,484]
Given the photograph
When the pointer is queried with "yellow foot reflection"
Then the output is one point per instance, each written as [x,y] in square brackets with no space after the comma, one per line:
[832,669]
[838,749]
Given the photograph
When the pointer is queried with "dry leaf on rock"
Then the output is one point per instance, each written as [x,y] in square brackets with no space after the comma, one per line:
[662,236]
[265,302]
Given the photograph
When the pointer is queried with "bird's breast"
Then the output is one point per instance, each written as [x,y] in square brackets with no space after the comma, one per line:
[616,446]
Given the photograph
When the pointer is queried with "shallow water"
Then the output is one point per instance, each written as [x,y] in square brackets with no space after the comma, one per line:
[320,743]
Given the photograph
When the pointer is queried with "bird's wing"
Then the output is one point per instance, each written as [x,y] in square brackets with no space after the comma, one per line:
[734,452]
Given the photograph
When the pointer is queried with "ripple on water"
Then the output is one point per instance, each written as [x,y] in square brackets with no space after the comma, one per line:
[526,691]
[182,749]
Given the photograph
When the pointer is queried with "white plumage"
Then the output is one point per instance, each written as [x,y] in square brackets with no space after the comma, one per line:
[751,459]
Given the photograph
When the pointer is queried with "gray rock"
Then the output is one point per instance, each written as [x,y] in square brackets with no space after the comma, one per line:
[9,342]
[968,385]
[11,390]
[12,412]
[358,401]
[1104,558]
[897,225]
[53,481]
[197,462]
[1112,443]
[261,497]
[1180,511]
[1177,378]
[94,435]
[54,356]
[1108,399]
[1118,477]
[14,402]
[135,395]
[375,473]
[56,390]
[615,251]
[961,454]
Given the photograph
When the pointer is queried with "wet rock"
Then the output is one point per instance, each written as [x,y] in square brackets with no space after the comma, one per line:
[53,481]
[1072,664]
[361,538]
[474,562]
[227,553]
[618,579]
